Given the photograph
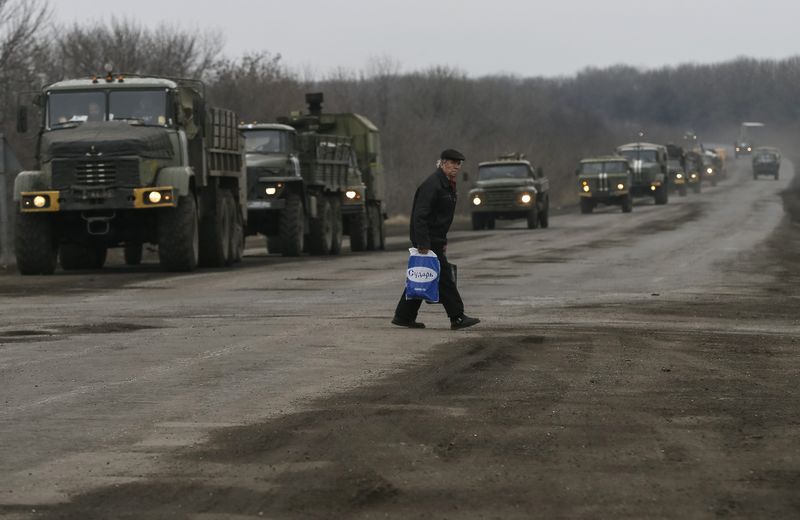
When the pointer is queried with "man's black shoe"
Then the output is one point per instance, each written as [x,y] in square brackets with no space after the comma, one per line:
[409,324]
[463,321]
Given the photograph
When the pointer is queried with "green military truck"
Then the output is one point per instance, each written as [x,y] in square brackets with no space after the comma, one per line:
[313,178]
[510,188]
[766,161]
[604,180]
[676,169]
[129,160]
[693,165]
[649,164]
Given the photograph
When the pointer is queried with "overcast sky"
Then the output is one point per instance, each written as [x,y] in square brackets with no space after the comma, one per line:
[525,38]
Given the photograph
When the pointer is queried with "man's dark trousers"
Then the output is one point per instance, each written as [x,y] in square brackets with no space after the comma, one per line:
[407,310]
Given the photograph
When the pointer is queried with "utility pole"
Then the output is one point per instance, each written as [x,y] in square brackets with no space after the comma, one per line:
[4,249]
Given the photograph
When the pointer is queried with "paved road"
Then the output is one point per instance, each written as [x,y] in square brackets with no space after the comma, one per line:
[106,376]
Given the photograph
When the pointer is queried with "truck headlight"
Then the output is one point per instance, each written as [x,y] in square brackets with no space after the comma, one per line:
[525,198]
[350,194]
[154,197]
[709,170]
[749,149]
[652,188]
[620,186]
[40,201]
[586,188]
[272,190]
[694,176]
[476,200]
[679,176]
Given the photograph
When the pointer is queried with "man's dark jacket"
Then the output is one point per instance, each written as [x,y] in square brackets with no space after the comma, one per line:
[432,213]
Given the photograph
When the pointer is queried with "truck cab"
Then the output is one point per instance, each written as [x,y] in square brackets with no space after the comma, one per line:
[509,188]
[649,170]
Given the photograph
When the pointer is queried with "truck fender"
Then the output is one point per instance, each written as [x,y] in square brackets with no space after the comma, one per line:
[179,177]
[33,180]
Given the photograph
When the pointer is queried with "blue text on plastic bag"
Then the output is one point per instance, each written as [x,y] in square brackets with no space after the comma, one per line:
[422,276]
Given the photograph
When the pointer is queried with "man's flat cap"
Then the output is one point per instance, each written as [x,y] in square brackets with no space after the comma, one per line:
[453,155]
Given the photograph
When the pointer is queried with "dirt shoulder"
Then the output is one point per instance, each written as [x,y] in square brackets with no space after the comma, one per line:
[684,408]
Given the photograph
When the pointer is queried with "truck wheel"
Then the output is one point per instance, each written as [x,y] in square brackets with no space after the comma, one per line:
[321,235]
[133,253]
[292,226]
[78,256]
[336,226]
[375,237]
[274,244]
[215,233]
[533,219]
[358,231]
[477,221]
[661,196]
[34,244]
[178,236]
[627,204]
[544,215]
[237,233]
[587,206]
[682,190]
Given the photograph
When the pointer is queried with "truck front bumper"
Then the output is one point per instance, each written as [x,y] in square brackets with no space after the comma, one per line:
[52,201]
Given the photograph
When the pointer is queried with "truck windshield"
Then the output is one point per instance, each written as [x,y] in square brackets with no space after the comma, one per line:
[148,107]
[75,107]
[640,155]
[604,167]
[503,171]
[265,141]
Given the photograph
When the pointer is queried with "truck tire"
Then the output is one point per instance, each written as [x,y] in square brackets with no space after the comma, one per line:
[661,196]
[79,256]
[533,219]
[478,221]
[627,204]
[358,231]
[336,226]
[544,215]
[587,206]
[292,226]
[179,236]
[321,235]
[34,244]
[376,238]
[133,253]
[274,245]
[216,228]
[237,235]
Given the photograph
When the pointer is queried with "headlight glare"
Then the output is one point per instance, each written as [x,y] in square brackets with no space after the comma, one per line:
[620,186]
[350,194]
[154,197]
[586,188]
[272,190]
[476,200]
[525,198]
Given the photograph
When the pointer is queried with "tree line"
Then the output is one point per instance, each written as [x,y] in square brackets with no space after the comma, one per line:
[554,121]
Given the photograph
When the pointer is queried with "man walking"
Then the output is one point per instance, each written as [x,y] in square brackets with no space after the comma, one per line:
[431,216]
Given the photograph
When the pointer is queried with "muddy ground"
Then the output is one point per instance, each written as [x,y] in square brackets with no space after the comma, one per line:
[673,406]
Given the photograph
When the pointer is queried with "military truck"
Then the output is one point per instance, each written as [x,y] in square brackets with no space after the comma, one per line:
[766,161]
[676,168]
[605,180]
[693,165]
[712,167]
[126,160]
[510,188]
[747,140]
[303,189]
[326,180]
[649,164]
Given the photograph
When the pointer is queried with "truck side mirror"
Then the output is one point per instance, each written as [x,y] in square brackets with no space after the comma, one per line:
[22,119]
[199,109]
[577,171]
[465,176]
[539,172]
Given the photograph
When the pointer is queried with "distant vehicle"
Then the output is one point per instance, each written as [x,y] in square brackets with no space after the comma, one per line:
[766,161]
[604,180]
[712,167]
[676,169]
[748,139]
[693,165]
[649,164]
[510,188]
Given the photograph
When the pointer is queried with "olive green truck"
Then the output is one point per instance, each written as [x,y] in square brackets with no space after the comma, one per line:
[125,161]
[314,178]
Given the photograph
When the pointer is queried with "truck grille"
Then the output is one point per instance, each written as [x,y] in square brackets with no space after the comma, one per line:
[501,196]
[95,172]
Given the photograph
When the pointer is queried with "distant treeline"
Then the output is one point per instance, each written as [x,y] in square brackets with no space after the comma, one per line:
[554,121]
